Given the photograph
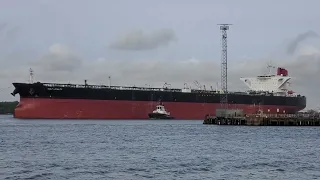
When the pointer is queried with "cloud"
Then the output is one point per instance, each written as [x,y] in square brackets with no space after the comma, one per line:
[7,33]
[3,26]
[58,58]
[138,40]
[296,41]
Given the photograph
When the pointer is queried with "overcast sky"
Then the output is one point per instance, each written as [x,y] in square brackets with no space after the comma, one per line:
[151,42]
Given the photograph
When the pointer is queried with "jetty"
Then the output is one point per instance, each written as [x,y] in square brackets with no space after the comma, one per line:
[260,119]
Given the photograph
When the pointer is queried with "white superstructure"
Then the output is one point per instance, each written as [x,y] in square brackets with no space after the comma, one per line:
[161,110]
[275,84]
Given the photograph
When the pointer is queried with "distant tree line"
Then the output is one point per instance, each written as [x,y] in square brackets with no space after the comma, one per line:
[8,107]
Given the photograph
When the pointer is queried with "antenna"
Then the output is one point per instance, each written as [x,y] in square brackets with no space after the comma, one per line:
[269,66]
[166,85]
[185,86]
[30,76]
[224,73]
[197,84]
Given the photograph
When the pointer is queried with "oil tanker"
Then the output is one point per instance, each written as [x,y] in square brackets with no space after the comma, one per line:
[268,93]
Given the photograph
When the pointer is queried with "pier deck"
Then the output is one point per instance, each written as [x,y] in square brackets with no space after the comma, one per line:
[266,120]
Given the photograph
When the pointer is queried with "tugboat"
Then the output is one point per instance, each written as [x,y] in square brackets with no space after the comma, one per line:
[160,113]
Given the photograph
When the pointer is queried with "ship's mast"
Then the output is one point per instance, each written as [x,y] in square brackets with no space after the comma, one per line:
[269,66]
[224,73]
[30,76]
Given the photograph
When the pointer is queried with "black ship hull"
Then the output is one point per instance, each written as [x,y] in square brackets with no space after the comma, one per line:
[39,100]
[66,91]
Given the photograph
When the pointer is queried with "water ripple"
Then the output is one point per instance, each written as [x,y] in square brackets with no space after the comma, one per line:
[155,150]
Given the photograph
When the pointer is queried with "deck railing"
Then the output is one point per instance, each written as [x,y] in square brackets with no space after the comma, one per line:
[56,85]
[302,115]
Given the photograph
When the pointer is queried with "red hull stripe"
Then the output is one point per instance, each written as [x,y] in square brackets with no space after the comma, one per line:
[38,108]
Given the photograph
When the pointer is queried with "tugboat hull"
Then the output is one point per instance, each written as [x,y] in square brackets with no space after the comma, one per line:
[159,116]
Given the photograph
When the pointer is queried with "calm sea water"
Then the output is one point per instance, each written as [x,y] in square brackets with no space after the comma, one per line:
[35,149]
